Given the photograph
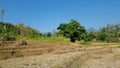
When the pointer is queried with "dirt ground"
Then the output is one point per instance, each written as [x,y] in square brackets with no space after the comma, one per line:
[39,54]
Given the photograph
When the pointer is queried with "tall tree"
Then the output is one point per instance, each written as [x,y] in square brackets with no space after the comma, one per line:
[72,30]
[49,34]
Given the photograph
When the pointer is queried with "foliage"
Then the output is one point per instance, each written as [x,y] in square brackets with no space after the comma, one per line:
[51,39]
[9,31]
[26,30]
[109,33]
[49,34]
[7,38]
[102,36]
[91,34]
[72,30]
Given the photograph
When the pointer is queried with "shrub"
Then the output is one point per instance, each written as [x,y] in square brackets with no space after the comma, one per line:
[113,40]
[7,38]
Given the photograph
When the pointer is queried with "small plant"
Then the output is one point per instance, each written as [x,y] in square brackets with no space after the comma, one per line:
[7,38]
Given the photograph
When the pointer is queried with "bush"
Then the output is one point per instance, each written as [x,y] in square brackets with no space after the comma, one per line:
[102,36]
[7,38]
[87,39]
[113,40]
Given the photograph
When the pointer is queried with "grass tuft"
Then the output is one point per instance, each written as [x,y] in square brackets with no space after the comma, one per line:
[85,43]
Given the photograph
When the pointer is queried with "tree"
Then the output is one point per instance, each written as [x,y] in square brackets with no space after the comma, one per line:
[72,30]
[109,33]
[49,34]
[1,14]
[91,33]
[102,36]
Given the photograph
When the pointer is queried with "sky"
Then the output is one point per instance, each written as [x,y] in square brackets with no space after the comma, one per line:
[46,15]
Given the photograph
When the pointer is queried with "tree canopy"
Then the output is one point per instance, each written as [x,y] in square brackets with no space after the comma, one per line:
[109,33]
[72,30]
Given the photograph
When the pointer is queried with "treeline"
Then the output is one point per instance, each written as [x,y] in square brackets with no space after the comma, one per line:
[109,33]
[8,31]
[75,31]
[72,30]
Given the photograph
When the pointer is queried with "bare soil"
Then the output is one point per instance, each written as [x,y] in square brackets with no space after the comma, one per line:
[40,54]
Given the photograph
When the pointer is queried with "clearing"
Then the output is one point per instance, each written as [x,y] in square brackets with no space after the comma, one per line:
[40,54]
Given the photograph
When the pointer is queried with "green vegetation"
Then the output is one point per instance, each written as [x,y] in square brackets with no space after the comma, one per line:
[85,43]
[51,39]
[9,31]
[110,33]
[118,45]
[72,30]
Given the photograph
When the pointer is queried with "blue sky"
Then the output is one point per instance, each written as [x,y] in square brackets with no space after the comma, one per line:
[46,15]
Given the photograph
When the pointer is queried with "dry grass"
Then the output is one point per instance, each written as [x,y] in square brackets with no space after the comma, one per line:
[6,54]
[74,62]
[38,48]
[35,48]
[79,60]
[103,44]
[58,55]
[117,56]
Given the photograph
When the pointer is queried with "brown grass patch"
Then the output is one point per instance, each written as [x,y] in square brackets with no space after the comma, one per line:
[74,62]
[6,54]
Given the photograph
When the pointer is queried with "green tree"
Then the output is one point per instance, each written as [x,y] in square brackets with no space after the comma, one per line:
[72,30]
[91,33]
[102,36]
[49,34]
[109,33]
